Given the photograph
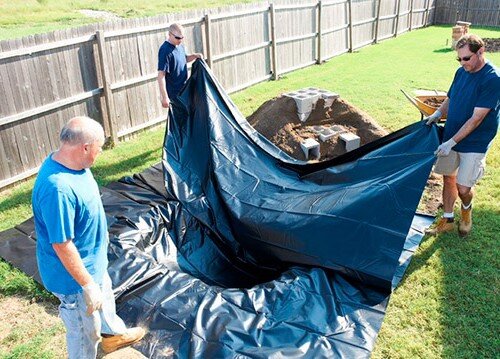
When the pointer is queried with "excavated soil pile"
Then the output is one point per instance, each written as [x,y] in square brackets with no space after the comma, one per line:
[492,45]
[277,120]
[434,101]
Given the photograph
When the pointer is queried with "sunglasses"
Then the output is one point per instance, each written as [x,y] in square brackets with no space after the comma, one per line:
[465,58]
[177,37]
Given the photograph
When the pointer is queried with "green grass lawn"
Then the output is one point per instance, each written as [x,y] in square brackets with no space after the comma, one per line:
[29,17]
[447,304]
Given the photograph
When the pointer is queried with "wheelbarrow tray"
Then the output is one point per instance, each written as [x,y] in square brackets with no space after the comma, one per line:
[426,108]
[420,103]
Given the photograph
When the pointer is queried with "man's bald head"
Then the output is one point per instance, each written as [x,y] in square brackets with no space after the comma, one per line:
[176,29]
[81,130]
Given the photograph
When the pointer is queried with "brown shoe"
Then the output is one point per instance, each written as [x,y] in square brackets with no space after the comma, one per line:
[465,225]
[115,342]
[443,225]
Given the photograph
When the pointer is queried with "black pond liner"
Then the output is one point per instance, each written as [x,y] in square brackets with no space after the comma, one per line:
[231,248]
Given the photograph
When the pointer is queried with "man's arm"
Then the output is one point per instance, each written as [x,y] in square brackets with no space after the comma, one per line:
[436,116]
[443,108]
[472,123]
[165,101]
[71,260]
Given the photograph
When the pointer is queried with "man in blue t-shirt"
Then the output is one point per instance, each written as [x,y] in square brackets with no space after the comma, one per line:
[172,65]
[72,243]
[472,109]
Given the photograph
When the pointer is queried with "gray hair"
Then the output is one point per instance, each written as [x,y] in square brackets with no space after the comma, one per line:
[80,130]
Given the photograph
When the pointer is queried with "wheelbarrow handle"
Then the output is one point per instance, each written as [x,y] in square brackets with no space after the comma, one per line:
[412,100]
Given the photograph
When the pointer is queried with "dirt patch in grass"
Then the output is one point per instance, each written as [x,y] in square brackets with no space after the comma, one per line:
[99,14]
[23,322]
[492,44]
[278,121]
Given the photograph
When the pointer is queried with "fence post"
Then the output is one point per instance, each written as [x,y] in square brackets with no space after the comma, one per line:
[108,113]
[349,3]
[378,19]
[411,14]
[397,18]
[208,38]
[273,42]
[320,7]
[426,14]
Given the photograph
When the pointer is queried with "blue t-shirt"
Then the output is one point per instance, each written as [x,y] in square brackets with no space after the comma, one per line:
[67,205]
[172,60]
[470,90]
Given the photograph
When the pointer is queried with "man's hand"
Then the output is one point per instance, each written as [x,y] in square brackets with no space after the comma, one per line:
[93,297]
[445,148]
[434,118]
[165,102]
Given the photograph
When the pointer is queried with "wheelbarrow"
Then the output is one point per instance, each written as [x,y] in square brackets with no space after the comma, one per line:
[426,104]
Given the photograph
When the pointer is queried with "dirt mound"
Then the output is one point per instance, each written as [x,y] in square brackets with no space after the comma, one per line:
[278,121]
[492,44]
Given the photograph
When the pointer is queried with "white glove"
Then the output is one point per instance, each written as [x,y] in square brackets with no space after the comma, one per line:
[445,148]
[434,118]
[93,297]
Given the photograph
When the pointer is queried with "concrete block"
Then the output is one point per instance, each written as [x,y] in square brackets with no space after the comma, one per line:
[310,147]
[318,129]
[313,93]
[306,99]
[304,103]
[351,140]
[325,94]
[326,134]
[303,116]
[330,131]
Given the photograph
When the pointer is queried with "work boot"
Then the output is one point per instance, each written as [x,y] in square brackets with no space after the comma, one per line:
[115,342]
[443,225]
[465,225]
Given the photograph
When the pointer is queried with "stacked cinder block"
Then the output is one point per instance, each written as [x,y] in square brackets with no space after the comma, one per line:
[327,132]
[306,100]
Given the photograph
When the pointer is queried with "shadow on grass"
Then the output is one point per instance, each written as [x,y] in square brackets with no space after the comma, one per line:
[444,50]
[469,302]
[105,173]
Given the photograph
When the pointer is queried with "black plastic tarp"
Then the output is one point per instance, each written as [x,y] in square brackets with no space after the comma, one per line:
[234,249]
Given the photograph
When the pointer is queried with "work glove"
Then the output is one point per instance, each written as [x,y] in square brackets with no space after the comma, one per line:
[434,118]
[93,297]
[445,148]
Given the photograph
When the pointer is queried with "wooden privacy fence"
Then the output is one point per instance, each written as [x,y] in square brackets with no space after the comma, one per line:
[108,71]
[478,12]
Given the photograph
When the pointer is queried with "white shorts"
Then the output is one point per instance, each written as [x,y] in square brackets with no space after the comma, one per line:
[468,167]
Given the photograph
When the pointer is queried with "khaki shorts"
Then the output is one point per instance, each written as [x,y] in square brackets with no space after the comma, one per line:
[468,167]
